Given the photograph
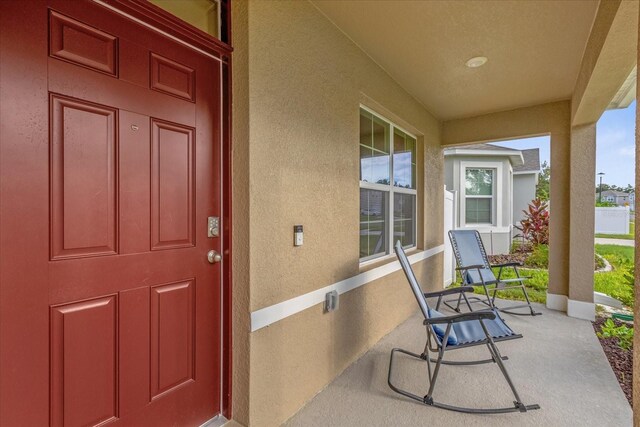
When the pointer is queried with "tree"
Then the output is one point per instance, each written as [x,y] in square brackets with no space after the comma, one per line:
[542,189]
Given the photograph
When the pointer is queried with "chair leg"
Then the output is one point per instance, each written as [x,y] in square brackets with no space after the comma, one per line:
[428,398]
[493,349]
[489,299]
[532,312]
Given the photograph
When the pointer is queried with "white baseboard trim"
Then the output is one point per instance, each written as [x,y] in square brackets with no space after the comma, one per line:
[217,421]
[274,313]
[581,310]
[557,302]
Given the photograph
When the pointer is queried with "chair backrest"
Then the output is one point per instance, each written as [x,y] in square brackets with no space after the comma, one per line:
[413,282]
[469,250]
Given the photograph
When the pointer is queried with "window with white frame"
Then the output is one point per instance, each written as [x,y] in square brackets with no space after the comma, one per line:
[388,192]
[479,192]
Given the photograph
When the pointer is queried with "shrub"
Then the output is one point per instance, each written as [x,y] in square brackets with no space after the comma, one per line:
[614,285]
[539,257]
[605,205]
[623,333]
[535,225]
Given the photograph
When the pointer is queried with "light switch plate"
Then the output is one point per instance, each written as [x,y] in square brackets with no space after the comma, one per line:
[298,236]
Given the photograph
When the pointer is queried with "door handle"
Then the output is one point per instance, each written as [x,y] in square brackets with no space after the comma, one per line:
[213,257]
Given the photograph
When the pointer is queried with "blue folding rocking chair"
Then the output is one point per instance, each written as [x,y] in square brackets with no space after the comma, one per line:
[475,270]
[445,333]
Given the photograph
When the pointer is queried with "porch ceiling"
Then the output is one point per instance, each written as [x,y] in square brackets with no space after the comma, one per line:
[534,48]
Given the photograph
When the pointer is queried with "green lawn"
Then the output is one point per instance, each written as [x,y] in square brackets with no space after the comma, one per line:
[614,283]
[629,236]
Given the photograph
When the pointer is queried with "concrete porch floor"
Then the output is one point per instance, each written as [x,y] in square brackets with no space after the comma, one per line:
[559,364]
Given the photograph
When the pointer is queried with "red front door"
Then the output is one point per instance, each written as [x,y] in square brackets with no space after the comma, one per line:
[110,168]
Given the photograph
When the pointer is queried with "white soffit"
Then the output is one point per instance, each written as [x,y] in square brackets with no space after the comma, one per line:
[627,92]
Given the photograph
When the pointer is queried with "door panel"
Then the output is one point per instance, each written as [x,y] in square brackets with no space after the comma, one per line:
[172,333]
[84,342]
[172,185]
[78,43]
[83,179]
[119,170]
[172,78]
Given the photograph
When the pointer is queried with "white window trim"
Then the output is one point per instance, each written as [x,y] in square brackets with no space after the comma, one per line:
[496,217]
[391,189]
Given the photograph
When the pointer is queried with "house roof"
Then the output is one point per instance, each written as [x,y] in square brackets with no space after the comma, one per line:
[489,147]
[531,161]
[522,160]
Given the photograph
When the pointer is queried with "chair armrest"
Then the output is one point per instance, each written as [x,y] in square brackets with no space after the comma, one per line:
[449,291]
[471,267]
[508,264]
[463,317]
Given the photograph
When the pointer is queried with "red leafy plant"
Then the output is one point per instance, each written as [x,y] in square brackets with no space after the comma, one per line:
[535,225]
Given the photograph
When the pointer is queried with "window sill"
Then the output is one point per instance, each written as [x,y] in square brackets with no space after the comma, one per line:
[377,262]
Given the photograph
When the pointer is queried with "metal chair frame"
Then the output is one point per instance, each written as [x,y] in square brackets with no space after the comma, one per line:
[439,346]
[490,285]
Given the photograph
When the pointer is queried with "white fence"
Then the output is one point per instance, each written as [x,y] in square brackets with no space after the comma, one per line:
[449,224]
[612,220]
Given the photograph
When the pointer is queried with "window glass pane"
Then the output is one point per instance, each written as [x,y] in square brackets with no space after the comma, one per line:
[404,160]
[478,210]
[380,135]
[404,219]
[373,222]
[479,182]
[374,149]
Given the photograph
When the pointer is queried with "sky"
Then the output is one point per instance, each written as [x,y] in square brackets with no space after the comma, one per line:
[615,146]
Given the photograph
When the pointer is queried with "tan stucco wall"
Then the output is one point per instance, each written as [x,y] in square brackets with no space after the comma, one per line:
[537,120]
[305,83]
[241,324]
[559,219]
[294,359]
[583,170]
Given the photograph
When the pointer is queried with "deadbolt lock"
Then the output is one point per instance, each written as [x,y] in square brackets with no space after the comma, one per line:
[213,226]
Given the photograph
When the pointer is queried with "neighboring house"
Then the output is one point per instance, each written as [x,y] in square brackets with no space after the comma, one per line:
[525,182]
[493,186]
[620,198]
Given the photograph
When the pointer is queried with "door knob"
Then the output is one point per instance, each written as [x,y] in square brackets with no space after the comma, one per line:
[213,257]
